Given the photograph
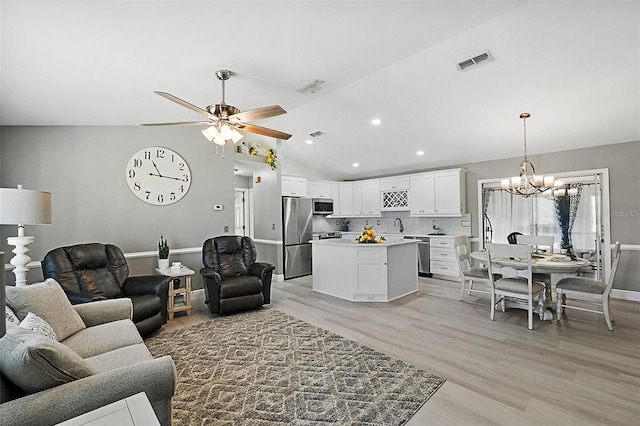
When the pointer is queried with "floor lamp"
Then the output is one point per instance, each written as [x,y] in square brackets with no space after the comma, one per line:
[23,207]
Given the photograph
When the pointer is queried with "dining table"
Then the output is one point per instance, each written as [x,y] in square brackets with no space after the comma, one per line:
[543,263]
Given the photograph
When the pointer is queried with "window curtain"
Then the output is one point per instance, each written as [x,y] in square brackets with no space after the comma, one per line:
[566,208]
[506,213]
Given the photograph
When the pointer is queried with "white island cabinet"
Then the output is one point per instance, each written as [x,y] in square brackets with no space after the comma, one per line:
[365,272]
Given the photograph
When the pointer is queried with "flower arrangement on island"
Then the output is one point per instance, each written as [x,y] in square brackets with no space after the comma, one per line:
[369,236]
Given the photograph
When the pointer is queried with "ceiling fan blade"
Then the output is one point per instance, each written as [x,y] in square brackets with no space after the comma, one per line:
[179,123]
[258,113]
[186,104]
[259,130]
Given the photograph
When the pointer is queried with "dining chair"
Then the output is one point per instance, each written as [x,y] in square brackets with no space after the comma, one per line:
[588,291]
[517,284]
[511,238]
[536,241]
[467,272]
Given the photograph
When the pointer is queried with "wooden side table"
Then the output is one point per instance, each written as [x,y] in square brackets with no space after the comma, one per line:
[184,291]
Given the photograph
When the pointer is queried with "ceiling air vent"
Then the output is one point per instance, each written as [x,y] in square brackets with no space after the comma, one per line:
[311,87]
[315,134]
[482,58]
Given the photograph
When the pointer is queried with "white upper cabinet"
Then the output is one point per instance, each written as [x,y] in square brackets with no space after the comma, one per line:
[440,193]
[450,193]
[422,199]
[294,186]
[345,200]
[320,189]
[394,183]
[335,195]
[370,198]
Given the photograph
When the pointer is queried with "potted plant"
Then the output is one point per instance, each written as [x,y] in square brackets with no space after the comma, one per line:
[163,253]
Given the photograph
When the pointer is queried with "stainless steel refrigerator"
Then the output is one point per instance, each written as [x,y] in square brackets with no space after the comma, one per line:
[297,227]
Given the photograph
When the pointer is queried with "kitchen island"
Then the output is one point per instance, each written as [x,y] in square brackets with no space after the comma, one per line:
[365,272]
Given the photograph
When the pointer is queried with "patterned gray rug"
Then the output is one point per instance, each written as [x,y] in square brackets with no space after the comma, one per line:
[267,368]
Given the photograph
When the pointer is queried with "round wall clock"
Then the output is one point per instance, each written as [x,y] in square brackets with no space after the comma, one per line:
[158,176]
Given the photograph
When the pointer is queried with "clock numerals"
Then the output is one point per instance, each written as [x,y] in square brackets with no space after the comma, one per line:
[158,176]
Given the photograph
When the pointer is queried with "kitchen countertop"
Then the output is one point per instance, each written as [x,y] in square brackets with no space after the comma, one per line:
[390,241]
[404,234]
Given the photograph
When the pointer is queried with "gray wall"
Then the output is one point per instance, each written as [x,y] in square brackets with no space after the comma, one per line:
[84,169]
[624,195]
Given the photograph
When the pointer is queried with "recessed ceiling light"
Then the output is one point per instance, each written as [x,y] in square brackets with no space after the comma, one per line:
[420,153]
[376,121]
[356,164]
[309,141]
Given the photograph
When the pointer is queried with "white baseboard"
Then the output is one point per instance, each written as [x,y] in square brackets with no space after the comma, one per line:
[625,295]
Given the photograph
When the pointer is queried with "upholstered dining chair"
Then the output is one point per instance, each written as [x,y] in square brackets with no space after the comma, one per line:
[233,280]
[515,283]
[538,241]
[469,274]
[588,292]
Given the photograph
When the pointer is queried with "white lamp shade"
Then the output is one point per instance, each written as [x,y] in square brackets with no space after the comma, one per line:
[210,133]
[236,136]
[24,207]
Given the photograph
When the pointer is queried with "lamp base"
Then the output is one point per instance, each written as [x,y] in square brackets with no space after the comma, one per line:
[21,259]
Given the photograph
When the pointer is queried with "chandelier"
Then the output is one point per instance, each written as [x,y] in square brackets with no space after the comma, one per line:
[527,183]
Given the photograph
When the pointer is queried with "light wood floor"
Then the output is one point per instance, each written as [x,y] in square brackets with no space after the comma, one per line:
[498,373]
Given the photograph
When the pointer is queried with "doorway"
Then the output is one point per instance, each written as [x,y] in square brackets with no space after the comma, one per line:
[242,212]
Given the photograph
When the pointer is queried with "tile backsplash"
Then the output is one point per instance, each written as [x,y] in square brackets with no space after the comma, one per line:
[388,224]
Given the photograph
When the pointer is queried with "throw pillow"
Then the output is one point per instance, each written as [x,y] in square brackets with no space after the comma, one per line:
[34,362]
[40,326]
[49,302]
[11,318]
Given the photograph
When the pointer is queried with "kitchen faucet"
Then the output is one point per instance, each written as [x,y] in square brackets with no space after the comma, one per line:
[397,219]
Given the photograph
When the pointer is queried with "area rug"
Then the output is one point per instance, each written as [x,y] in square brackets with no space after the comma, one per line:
[267,368]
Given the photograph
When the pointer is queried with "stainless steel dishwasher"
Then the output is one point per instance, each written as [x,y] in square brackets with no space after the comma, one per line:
[424,254]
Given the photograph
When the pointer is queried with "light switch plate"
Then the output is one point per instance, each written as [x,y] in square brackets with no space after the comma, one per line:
[218,207]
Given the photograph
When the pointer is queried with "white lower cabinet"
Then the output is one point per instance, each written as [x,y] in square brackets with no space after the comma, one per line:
[443,258]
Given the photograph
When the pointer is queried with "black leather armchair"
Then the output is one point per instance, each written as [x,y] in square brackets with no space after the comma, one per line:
[94,271]
[233,280]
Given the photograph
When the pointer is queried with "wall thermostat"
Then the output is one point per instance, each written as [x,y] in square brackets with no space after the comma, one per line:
[218,207]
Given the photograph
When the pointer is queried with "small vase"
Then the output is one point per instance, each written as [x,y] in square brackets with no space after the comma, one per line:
[163,263]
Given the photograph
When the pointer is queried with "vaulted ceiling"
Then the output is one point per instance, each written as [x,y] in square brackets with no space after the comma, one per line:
[574,65]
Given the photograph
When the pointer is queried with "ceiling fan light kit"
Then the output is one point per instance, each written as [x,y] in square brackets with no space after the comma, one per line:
[224,120]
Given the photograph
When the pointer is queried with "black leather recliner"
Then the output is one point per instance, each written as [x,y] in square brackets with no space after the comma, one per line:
[233,280]
[94,271]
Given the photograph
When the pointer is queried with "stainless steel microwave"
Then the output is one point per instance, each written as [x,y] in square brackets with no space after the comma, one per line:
[322,206]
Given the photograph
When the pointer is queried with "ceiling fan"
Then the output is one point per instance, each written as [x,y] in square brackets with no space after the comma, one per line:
[224,119]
